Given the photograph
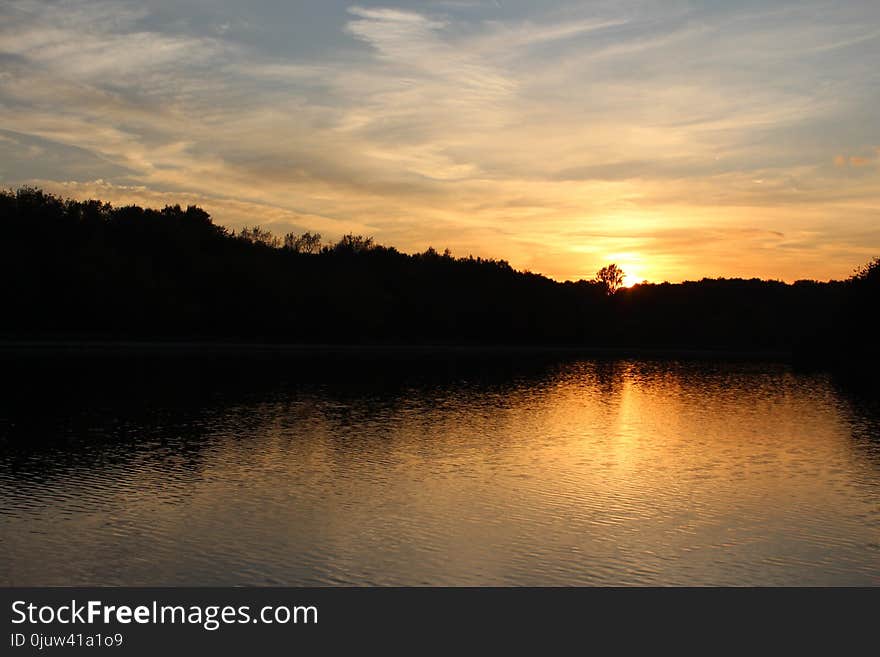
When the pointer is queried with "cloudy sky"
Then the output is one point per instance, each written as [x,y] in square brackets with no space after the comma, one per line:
[676,138]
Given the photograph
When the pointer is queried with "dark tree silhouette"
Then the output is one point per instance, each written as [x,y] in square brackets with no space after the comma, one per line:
[306,243]
[869,273]
[257,235]
[611,277]
[354,244]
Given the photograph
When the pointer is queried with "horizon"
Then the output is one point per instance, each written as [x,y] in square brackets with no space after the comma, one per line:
[679,140]
[271,240]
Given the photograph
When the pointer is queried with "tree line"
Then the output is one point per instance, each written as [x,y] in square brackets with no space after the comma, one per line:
[89,269]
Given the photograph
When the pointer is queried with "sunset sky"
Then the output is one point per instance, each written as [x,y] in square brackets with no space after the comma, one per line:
[679,139]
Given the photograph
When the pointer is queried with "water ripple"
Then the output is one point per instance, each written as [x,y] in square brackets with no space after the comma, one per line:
[585,473]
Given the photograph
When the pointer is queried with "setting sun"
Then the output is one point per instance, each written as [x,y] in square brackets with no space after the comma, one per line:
[630,279]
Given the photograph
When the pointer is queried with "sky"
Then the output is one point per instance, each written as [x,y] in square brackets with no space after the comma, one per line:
[676,138]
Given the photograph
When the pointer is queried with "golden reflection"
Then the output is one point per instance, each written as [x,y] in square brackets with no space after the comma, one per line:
[596,472]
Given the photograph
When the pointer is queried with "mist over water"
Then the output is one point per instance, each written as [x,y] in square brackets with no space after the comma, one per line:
[353,469]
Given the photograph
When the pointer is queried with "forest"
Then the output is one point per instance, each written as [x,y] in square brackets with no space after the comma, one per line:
[89,270]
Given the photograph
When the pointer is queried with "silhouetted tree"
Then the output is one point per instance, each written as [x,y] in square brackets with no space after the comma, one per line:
[257,235]
[859,319]
[354,244]
[869,273]
[611,276]
[306,243]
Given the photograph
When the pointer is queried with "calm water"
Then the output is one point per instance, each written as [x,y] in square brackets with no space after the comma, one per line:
[357,470]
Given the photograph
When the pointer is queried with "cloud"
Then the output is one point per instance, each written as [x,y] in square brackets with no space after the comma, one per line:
[857,161]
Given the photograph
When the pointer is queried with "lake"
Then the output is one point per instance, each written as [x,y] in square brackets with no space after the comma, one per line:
[349,468]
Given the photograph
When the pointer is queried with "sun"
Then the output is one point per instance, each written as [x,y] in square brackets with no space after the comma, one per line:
[630,279]
[632,266]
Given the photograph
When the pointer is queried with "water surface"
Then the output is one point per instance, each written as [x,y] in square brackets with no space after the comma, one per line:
[347,470]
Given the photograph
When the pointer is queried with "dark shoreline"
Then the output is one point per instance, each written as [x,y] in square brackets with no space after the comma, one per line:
[206,347]
[131,280]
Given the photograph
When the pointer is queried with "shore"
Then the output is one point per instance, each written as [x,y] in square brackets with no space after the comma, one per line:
[219,348]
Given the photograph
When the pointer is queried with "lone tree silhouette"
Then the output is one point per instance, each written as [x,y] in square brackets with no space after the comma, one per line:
[611,276]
